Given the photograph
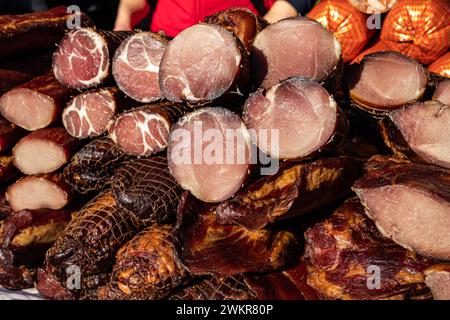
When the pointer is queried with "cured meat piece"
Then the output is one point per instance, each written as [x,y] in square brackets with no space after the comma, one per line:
[294,47]
[24,238]
[374,46]
[418,29]
[303,115]
[38,31]
[297,190]
[347,24]
[135,66]
[47,191]
[9,134]
[92,166]
[418,132]
[44,151]
[92,238]
[144,131]
[437,278]
[31,64]
[8,171]
[442,92]
[441,66]
[147,267]
[210,248]
[243,23]
[379,83]
[345,254]
[41,103]
[209,153]
[410,204]
[87,115]
[10,79]
[84,56]
[373,6]
[202,63]
[146,188]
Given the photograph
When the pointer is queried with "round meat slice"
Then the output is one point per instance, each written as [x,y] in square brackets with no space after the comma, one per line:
[425,127]
[209,153]
[294,47]
[442,92]
[135,66]
[83,57]
[385,81]
[373,6]
[201,64]
[292,119]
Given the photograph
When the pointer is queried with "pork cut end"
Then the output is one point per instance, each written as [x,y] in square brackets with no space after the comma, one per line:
[386,80]
[414,218]
[292,47]
[442,92]
[200,64]
[82,59]
[292,119]
[424,127]
[438,280]
[27,108]
[135,66]
[209,153]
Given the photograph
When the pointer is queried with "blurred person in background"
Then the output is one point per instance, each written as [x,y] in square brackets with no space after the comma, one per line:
[173,16]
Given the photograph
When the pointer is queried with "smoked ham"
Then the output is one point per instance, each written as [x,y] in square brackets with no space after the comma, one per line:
[9,134]
[442,92]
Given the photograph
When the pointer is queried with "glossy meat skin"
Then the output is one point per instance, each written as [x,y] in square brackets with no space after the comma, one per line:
[341,249]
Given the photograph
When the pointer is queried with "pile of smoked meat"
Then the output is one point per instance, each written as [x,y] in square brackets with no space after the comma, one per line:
[338,185]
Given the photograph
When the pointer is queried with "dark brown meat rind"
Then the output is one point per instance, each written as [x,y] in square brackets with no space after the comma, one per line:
[297,190]
[38,31]
[343,252]
[243,23]
[24,238]
[9,134]
[427,187]
[210,248]
[92,166]
[147,267]
[437,278]
[10,79]
[8,171]
[5,209]
[146,188]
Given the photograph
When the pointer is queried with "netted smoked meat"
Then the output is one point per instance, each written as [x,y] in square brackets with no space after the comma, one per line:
[147,267]
[24,238]
[294,191]
[202,63]
[92,166]
[144,131]
[39,192]
[345,251]
[244,24]
[410,204]
[442,92]
[84,56]
[441,66]
[44,151]
[35,104]
[8,171]
[210,153]
[294,119]
[87,115]
[135,66]
[146,188]
[294,47]
[217,249]
[417,132]
[386,80]
[36,31]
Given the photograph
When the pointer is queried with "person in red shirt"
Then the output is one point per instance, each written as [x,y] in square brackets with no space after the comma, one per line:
[173,16]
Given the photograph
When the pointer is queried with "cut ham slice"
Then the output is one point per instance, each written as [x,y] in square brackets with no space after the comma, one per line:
[294,47]
[209,153]
[410,203]
[83,57]
[302,112]
[385,81]
[442,92]
[47,191]
[44,151]
[202,63]
[136,66]
[87,115]
[35,104]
